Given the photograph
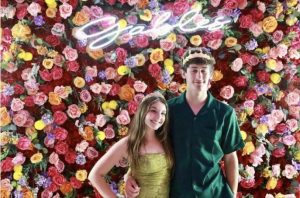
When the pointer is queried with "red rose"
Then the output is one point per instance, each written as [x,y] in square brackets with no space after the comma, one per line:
[281,128]
[141,41]
[180,7]
[5,100]
[279,184]
[75,183]
[247,183]
[4,3]
[91,118]
[246,21]
[231,4]
[115,89]
[60,117]
[45,75]
[6,35]
[52,171]
[59,179]
[60,107]
[6,165]
[70,157]
[259,110]
[46,193]
[19,89]
[52,40]
[257,15]
[132,107]
[72,66]
[60,133]
[21,11]
[246,57]
[57,73]
[279,152]
[155,70]
[46,88]
[73,3]
[121,54]
[29,101]
[61,148]
[263,76]
[111,2]
[241,81]
[251,95]
[53,187]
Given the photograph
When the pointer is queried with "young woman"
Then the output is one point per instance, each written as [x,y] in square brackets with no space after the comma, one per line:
[147,148]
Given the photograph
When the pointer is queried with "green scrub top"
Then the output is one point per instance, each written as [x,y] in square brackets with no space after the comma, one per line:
[200,142]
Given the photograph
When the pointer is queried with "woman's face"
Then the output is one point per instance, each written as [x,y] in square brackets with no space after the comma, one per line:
[156,115]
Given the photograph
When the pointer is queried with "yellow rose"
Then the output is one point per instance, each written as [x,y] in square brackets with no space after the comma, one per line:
[291,3]
[122,24]
[7,56]
[100,135]
[123,70]
[170,69]
[20,31]
[271,184]
[123,131]
[52,54]
[156,55]
[51,3]
[17,175]
[31,132]
[280,195]
[242,116]
[171,37]
[275,78]
[140,59]
[196,40]
[4,117]
[48,63]
[79,82]
[291,20]
[41,50]
[36,158]
[146,15]
[197,6]
[81,175]
[39,125]
[105,105]
[54,98]
[248,148]
[51,12]
[269,24]
[18,168]
[243,134]
[182,88]
[230,41]
[279,9]
[168,62]
[83,107]
[262,129]
[267,172]
[81,18]
[4,138]
[297,155]
[113,105]
[109,112]
[28,56]
[217,75]
[271,64]
[279,96]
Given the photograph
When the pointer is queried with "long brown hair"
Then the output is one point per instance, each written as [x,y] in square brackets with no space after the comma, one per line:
[137,130]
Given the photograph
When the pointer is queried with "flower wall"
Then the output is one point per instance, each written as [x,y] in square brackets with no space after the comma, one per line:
[63,104]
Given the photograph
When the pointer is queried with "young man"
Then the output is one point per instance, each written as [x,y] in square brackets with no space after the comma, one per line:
[203,131]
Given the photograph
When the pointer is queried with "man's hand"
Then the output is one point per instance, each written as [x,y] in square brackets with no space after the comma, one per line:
[131,188]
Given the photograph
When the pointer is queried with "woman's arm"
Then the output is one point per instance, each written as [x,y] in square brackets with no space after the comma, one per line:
[104,165]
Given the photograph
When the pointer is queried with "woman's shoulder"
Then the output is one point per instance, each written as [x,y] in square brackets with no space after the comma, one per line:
[122,144]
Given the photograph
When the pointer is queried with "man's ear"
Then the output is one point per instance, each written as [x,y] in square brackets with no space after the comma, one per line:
[182,72]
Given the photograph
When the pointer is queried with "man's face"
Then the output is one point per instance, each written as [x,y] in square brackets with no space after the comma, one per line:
[198,77]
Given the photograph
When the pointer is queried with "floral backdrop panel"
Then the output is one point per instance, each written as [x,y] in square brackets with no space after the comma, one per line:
[69,87]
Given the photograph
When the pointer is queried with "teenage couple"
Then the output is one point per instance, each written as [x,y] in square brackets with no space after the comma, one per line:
[174,148]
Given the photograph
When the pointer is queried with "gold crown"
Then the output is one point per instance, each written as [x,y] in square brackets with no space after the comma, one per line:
[195,55]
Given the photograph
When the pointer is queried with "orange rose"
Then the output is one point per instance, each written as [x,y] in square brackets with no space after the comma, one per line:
[142,4]
[66,188]
[4,117]
[27,193]
[81,18]
[95,54]
[156,55]
[51,12]
[161,85]
[4,193]
[54,99]
[88,133]
[126,93]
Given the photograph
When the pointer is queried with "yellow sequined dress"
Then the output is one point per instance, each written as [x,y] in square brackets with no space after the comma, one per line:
[153,176]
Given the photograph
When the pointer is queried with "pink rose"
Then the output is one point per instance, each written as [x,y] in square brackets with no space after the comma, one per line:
[294,54]
[253,60]
[91,153]
[271,122]
[53,158]
[109,132]
[278,115]
[123,118]
[293,98]
[46,194]
[100,120]
[24,143]
[58,29]
[82,146]
[154,70]
[282,50]
[110,73]
[276,170]
[60,133]
[215,3]
[294,111]
[91,71]
[20,118]
[6,35]
[70,53]
[214,44]
[231,4]
[32,87]
[182,42]
[96,88]
[59,60]
[60,166]
[34,9]
[140,86]
[40,98]
[59,117]
[227,92]
[22,11]
[45,75]
[132,107]
[166,45]
[19,159]
[105,88]
[57,73]
[281,128]
[246,21]
[96,12]
[65,10]
[73,111]
[180,7]
[61,92]
[11,67]
[278,152]
[289,171]
[72,66]
[237,64]
[173,87]
[289,140]
[121,54]
[242,4]
[61,148]
[115,89]
[141,41]
[16,104]
[292,124]
[85,96]
[138,97]
[277,36]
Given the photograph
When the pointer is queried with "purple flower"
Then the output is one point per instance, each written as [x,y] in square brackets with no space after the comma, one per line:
[102,75]
[251,45]
[18,194]
[22,181]
[131,62]
[8,90]
[39,20]
[80,159]
[47,118]
[166,77]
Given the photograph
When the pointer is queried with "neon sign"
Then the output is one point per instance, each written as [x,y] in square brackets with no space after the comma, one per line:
[191,21]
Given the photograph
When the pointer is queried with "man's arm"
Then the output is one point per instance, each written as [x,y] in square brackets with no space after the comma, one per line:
[232,171]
